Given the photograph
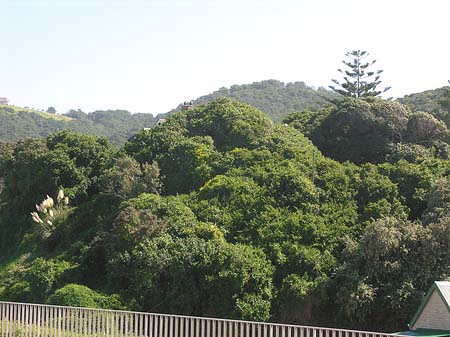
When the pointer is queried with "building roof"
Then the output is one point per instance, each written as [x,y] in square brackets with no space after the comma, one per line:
[160,121]
[443,289]
[424,333]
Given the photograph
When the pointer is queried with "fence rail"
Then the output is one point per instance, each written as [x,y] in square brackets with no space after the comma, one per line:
[36,320]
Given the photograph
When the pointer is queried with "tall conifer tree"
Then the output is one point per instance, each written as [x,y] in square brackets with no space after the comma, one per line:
[358,80]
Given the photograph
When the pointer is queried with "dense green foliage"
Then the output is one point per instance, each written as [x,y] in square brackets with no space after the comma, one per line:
[373,130]
[436,102]
[273,97]
[76,295]
[221,212]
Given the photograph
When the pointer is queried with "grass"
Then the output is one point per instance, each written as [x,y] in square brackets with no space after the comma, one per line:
[22,330]
[16,329]
[43,114]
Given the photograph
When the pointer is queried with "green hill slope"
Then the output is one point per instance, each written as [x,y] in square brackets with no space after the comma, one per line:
[17,109]
[273,97]
[118,126]
[427,101]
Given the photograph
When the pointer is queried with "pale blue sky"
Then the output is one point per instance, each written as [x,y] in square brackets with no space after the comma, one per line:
[150,55]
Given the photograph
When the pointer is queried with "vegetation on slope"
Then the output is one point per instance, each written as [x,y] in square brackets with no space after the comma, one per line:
[428,100]
[273,97]
[436,102]
[16,109]
[373,130]
[118,126]
[221,212]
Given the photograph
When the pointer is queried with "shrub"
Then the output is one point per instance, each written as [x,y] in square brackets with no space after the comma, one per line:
[76,295]
[18,292]
[44,276]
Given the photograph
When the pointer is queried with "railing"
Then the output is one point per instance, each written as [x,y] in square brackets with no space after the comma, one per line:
[21,319]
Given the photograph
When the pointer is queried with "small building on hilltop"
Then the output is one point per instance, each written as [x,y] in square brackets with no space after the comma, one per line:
[3,101]
[187,106]
[433,316]
[160,121]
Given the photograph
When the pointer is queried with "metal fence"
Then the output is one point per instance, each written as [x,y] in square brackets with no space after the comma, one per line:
[36,320]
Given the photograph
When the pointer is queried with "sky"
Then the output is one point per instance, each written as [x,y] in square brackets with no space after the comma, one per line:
[151,55]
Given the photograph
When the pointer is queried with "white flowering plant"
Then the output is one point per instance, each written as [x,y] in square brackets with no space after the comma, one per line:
[48,212]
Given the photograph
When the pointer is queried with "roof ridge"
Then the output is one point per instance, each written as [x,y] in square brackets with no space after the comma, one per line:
[444,289]
[444,295]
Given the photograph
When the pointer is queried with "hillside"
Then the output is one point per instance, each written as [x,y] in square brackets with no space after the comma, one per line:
[220,212]
[273,97]
[16,109]
[118,126]
[425,101]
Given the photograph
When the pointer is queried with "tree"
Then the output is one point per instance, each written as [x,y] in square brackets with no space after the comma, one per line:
[89,154]
[44,275]
[379,279]
[127,178]
[445,101]
[230,124]
[51,110]
[361,130]
[438,203]
[6,154]
[358,81]
[196,277]
[423,128]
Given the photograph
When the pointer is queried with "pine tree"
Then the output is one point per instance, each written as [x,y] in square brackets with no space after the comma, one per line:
[358,80]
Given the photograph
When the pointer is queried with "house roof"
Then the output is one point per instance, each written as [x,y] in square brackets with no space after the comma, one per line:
[443,289]
[424,333]
[161,120]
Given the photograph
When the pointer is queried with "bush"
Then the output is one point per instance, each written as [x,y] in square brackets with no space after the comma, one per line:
[18,292]
[76,295]
[360,130]
[230,123]
[44,276]
[196,277]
